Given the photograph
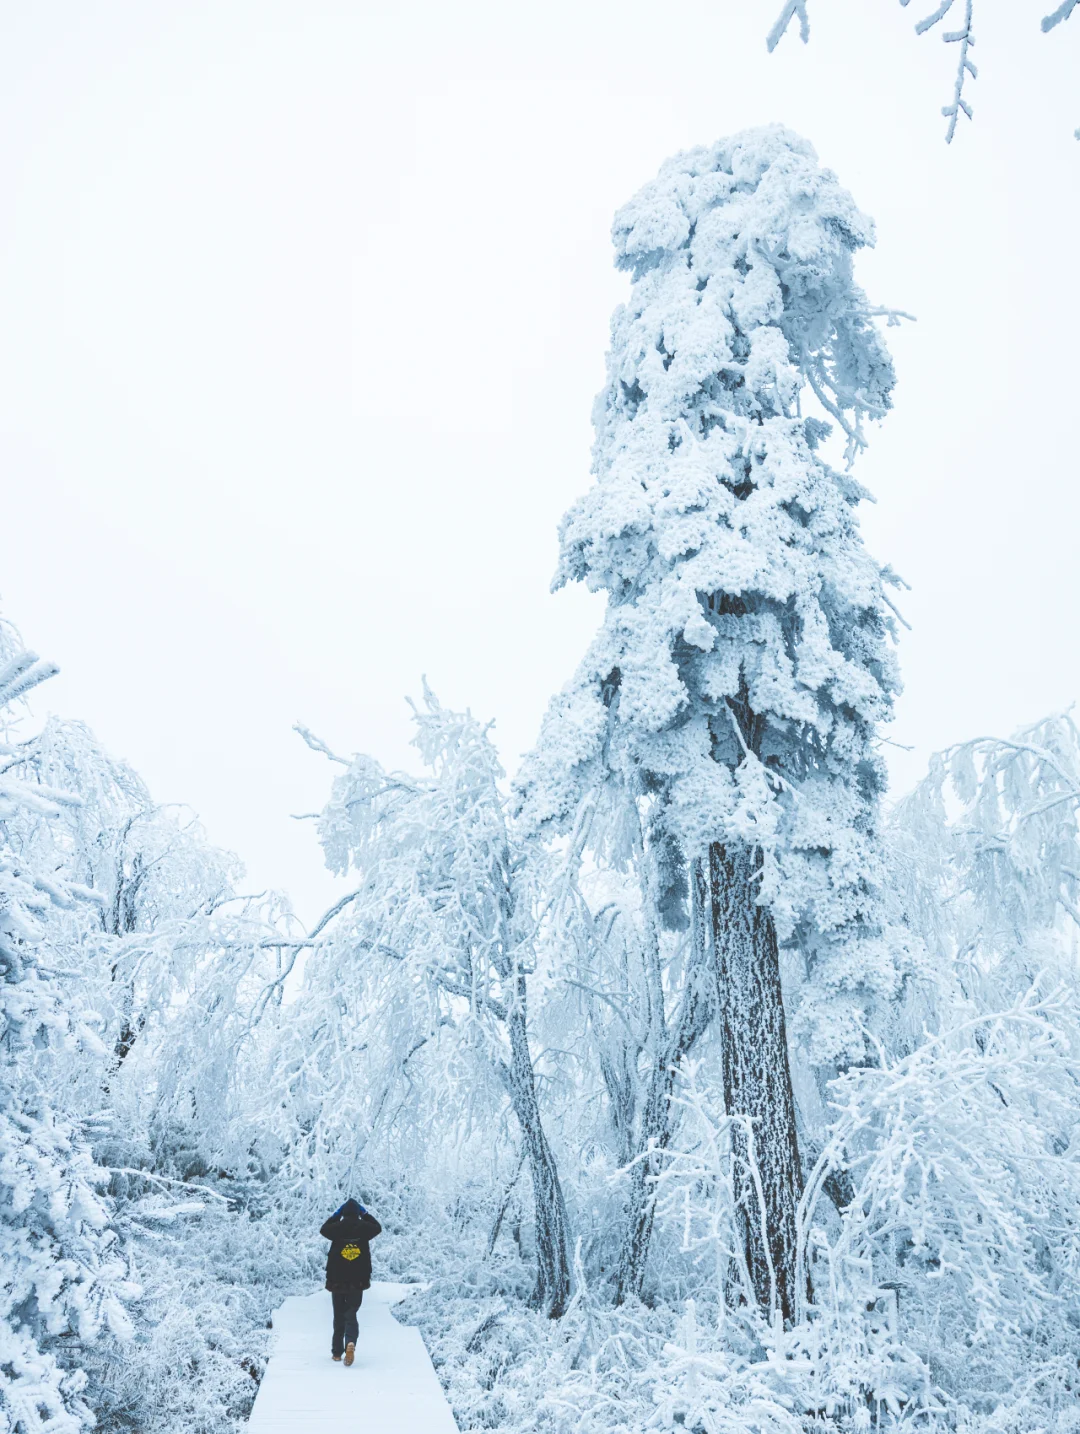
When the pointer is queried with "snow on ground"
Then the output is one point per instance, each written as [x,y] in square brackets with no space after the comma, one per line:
[391,1389]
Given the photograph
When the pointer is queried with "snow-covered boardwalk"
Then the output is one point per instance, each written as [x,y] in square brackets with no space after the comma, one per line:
[391,1389]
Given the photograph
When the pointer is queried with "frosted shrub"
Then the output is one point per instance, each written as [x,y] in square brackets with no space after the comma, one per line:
[954,1267]
[967,1192]
[210,1278]
[987,859]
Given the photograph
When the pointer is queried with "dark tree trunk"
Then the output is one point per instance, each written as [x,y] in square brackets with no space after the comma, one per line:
[757,1076]
[552,1238]
[695,1012]
[129,1034]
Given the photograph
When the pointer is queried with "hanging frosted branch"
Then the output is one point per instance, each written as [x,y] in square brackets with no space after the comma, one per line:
[964,37]
[965,66]
[317,744]
[1062,12]
[1049,22]
[784,19]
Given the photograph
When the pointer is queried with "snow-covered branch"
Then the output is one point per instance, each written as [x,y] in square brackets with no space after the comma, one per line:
[963,36]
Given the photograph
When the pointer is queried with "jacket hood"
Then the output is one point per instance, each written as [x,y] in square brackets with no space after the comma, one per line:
[351,1210]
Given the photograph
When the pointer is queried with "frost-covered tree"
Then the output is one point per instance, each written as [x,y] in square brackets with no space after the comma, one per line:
[986,863]
[734,691]
[152,863]
[155,876]
[126,1023]
[442,932]
[167,954]
[61,1273]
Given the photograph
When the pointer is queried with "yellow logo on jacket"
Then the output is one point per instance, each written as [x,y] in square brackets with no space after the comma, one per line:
[350,1252]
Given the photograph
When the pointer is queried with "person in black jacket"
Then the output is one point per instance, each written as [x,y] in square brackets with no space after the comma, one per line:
[348,1271]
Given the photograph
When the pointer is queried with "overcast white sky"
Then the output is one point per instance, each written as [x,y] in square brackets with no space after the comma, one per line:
[302,311]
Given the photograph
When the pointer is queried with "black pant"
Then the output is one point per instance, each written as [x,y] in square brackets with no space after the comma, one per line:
[346,1329]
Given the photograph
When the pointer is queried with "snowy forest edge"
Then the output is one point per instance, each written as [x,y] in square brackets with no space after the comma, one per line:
[705,1089]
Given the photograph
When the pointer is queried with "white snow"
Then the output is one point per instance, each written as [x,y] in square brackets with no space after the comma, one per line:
[391,1389]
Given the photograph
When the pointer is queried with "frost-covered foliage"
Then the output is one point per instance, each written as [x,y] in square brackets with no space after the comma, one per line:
[943,1297]
[129,968]
[211,1276]
[987,858]
[966,1169]
[61,1268]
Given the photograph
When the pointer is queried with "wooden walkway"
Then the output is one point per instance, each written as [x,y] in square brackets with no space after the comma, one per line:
[391,1389]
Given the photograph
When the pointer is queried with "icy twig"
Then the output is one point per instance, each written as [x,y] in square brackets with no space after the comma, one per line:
[784,19]
[892,317]
[896,611]
[166,1180]
[965,39]
[1063,11]
[317,744]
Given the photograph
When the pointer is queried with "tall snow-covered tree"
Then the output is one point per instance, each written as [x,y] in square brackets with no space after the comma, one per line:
[734,690]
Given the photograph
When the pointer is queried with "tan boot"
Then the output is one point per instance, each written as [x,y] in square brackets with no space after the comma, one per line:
[350,1353]
[336,1358]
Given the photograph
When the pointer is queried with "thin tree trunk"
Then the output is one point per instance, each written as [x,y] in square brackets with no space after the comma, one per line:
[757,1076]
[657,1124]
[621,1082]
[552,1240]
[654,1135]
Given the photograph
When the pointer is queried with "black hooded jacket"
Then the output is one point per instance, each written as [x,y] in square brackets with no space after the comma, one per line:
[348,1265]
